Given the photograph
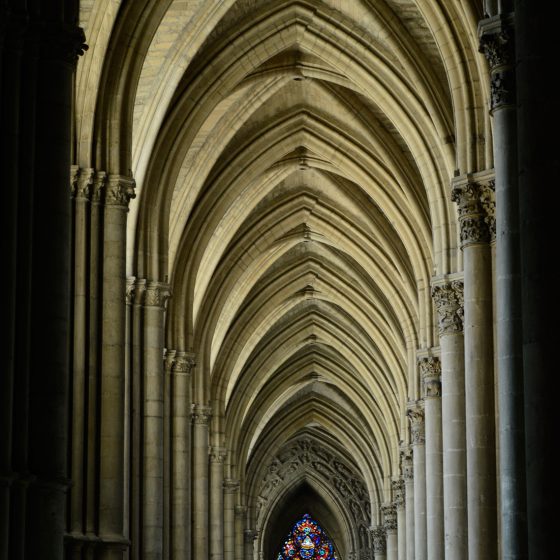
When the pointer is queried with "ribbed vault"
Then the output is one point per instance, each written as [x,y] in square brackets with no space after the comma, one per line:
[292,162]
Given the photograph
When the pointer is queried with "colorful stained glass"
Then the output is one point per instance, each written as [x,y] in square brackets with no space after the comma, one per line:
[307,541]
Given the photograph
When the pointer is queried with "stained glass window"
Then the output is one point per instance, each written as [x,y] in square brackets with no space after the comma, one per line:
[307,541]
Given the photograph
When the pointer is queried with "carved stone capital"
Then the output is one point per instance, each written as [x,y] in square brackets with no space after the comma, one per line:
[389,517]
[119,191]
[379,539]
[449,302]
[98,187]
[218,454]
[183,363]
[415,413]
[498,46]
[157,294]
[201,414]
[407,465]
[231,486]
[399,492]
[169,360]
[472,211]
[430,372]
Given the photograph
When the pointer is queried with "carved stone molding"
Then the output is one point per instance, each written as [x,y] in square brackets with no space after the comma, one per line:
[379,539]
[157,294]
[169,360]
[201,414]
[449,302]
[389,517]
[407,465]
[138,292]
[231,486]
[119,191]
[183,363]
[415,413]
[399,492]
[54,40]
[306,454]
[430,372]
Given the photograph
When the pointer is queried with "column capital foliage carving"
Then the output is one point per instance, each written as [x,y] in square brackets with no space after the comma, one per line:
[399,492]
[379,540]
[119,191]
[415,413]
[218,454]
[476,209]
[157,294]
[450,306]
[240,510]
[389,517]
[497,43]
[130,289]
[407,465]
[183,363]
[201,414]
[430,371]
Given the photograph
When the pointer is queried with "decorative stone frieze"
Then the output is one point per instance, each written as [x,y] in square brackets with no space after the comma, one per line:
[449,302]
[430,372]
[415,413]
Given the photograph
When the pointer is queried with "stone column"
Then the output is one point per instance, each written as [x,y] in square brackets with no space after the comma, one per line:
[250,537]
[430,371]
[119,191]
[379,540]
[136,421]
[497,43]
[473,195]
[180,454]
[448,300]
[201,416]
[231,488]
[408,475]
[217,456]
[240,514]
[152,506]
[390,526]
[399,501]
[415,413]
[81,198]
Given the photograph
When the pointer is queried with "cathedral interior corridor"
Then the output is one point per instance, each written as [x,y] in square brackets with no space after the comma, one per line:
[275,280]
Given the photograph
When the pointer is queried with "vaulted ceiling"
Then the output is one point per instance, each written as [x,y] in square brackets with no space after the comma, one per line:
[292,161]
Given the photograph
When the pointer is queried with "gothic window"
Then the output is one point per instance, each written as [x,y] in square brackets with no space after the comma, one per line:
[307,541]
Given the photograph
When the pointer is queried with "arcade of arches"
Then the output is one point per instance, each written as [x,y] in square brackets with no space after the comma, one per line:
[298,268]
